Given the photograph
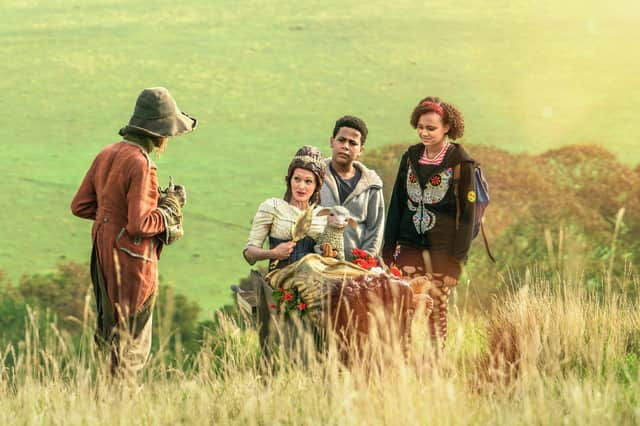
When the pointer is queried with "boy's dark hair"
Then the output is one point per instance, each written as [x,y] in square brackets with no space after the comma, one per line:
[353,123]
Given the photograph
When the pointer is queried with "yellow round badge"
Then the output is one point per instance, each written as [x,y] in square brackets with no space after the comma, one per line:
[471,196]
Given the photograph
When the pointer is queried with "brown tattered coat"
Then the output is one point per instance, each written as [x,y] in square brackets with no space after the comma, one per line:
[120,193]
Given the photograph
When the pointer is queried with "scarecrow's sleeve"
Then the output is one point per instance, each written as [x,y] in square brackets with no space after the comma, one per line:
[396,210]
[143,216]
[466,199]
[85,202]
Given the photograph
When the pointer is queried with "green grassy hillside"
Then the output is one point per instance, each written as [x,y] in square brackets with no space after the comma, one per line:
[266,77]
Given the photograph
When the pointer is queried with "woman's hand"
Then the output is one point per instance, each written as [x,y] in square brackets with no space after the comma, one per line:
[283,250]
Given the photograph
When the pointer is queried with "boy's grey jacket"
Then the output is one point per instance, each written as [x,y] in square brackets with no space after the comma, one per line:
[366,205]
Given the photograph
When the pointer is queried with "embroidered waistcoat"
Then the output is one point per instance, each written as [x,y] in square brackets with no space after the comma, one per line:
[419,199]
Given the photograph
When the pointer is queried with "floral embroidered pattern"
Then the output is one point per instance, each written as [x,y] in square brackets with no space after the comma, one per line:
[424,220]
[413,187]
[434,192]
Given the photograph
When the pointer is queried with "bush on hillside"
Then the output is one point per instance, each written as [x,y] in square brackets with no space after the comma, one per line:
[65,292]
[175,326]
[13,314]
[65,296]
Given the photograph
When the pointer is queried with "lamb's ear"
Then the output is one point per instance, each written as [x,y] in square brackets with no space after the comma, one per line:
[324,212]
[353,223]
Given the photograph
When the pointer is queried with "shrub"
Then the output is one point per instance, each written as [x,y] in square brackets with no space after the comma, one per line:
[13,314]
[64,292]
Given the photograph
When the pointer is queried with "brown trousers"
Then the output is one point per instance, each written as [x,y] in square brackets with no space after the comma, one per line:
[127,338]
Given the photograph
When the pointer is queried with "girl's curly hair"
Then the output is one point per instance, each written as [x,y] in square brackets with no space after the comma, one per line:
[451,116]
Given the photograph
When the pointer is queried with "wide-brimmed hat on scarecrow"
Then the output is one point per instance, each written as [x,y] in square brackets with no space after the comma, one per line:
[157,114]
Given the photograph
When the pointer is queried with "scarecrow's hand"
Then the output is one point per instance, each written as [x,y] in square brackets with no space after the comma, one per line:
[181,194]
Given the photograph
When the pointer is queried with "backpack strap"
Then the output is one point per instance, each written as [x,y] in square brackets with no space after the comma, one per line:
[486,242]
[484,237]
[456,191]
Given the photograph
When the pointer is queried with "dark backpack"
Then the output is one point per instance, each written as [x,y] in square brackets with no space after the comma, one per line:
[481,188]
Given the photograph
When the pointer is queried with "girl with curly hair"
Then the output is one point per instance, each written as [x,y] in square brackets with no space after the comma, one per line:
[430,219]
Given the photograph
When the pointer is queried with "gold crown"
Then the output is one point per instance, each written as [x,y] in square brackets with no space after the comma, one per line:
[310,159]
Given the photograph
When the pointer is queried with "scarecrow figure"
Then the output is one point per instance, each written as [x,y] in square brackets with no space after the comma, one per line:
[133,219]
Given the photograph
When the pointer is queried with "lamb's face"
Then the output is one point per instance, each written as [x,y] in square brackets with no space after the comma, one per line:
[338,217]
[336,220]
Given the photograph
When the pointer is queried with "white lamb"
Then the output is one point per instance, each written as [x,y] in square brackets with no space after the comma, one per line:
[331,242]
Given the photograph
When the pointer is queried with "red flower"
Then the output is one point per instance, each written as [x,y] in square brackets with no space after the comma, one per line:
[272,306]
[302,306]
[288,296]
[395,271]
[436,180]
[363,259]
[356,252]
[360,262]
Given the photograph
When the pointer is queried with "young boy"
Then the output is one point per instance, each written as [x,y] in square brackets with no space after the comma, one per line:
[350,184]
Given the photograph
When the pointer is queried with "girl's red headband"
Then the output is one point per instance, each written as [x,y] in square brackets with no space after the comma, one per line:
[434,107]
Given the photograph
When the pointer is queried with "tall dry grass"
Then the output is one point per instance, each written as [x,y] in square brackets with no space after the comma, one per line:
[547,353]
